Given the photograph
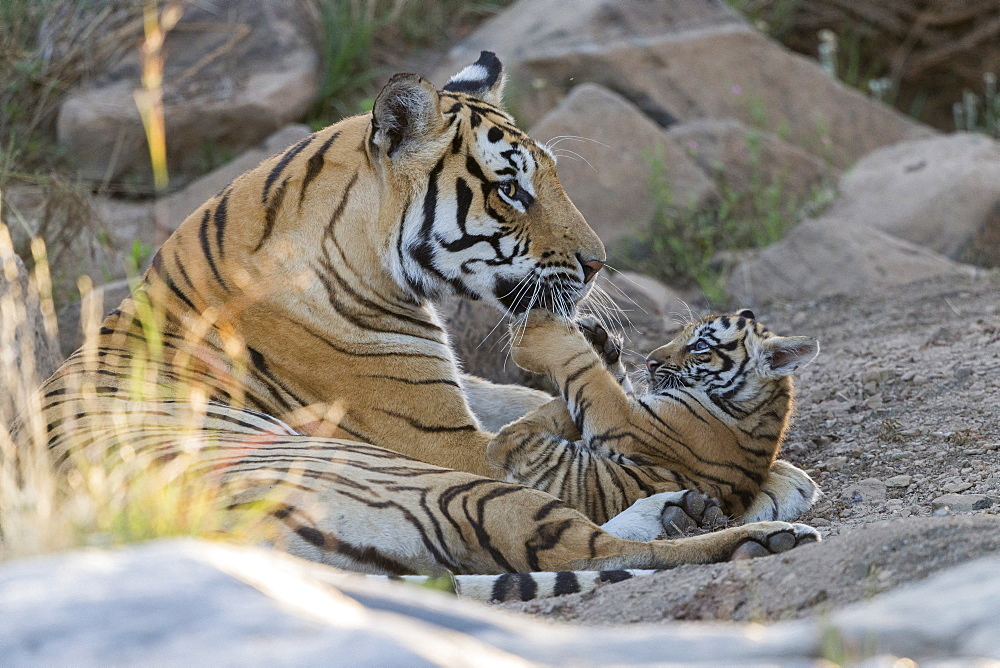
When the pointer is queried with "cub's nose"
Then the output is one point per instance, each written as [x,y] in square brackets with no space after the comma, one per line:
[590,267]
[652,365]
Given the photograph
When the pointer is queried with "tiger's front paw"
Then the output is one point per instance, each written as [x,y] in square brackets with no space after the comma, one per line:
[541,340]
[774,538]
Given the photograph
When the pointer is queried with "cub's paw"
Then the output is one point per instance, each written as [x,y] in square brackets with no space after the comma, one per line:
[693,510]
[607,345]
[776,537]
[670,512]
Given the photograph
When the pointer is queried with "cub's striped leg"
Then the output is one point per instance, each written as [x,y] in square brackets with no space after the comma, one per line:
[541,451]
[364,508]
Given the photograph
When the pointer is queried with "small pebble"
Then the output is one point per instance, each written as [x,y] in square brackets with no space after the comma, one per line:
[899,481]
[957,487]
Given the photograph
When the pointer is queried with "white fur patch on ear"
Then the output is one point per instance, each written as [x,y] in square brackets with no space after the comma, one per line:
[483,79]
[781,355]
[406,110]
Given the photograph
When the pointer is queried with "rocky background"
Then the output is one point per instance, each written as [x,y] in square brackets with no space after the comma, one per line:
[722,169]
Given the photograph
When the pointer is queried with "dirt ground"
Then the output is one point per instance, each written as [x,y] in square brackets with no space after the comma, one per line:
[898,420]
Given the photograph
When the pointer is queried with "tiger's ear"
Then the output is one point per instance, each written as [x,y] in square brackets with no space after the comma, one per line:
[407,110]
[781,355]
[483,79]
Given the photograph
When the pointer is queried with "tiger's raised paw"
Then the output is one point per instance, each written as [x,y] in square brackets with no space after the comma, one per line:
[672,513]
[694,510]
[776,541]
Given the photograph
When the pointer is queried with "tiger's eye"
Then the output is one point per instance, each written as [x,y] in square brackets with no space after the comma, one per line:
[509,189]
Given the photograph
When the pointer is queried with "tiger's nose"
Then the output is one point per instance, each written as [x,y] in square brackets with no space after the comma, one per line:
[652,365]
[590,268]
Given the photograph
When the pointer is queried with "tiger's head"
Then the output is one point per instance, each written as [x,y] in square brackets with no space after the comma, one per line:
[483,213]
[727,356]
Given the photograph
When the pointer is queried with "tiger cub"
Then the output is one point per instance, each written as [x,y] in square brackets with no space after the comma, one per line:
[712,418]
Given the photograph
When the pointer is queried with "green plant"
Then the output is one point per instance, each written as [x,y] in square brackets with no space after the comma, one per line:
[980,113]
[687,246]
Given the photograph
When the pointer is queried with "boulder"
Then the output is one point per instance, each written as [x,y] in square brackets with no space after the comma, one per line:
[745,159]
[942,193]
[607,167]
[28,352]
[829,255]
[532,28]
[78,239]
[234,72]
[682,60]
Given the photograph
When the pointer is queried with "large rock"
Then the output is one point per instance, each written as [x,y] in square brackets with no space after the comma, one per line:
[235,71]
[942,193]
[706,63]
[606,165]
[195,603]
[532,28]
[28,353]
[830,255]
[744,159]
[78,239]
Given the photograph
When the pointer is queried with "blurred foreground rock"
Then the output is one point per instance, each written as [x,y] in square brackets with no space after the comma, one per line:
[235,71]
[188,602]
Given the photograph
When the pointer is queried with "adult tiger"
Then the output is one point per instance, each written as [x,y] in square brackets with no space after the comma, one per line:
[285,332]
[718,400]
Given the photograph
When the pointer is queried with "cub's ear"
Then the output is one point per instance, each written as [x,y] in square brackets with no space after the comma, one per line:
[406,111]
[483,79]
[781,355]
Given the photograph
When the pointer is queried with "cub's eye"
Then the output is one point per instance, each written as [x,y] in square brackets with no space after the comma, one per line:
[699,347]
[509,189]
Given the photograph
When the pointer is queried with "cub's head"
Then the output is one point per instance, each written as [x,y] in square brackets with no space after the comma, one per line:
[481,212]
[730,356]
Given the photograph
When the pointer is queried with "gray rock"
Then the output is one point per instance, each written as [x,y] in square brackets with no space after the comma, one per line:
[610,180]
[940,193]
[235,71]
[742,158]
[868,491]
[829,255]
[683,60]
[957,486]
[962,503]
[899,481]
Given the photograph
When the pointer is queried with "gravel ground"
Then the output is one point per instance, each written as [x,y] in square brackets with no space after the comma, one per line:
[898,420]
